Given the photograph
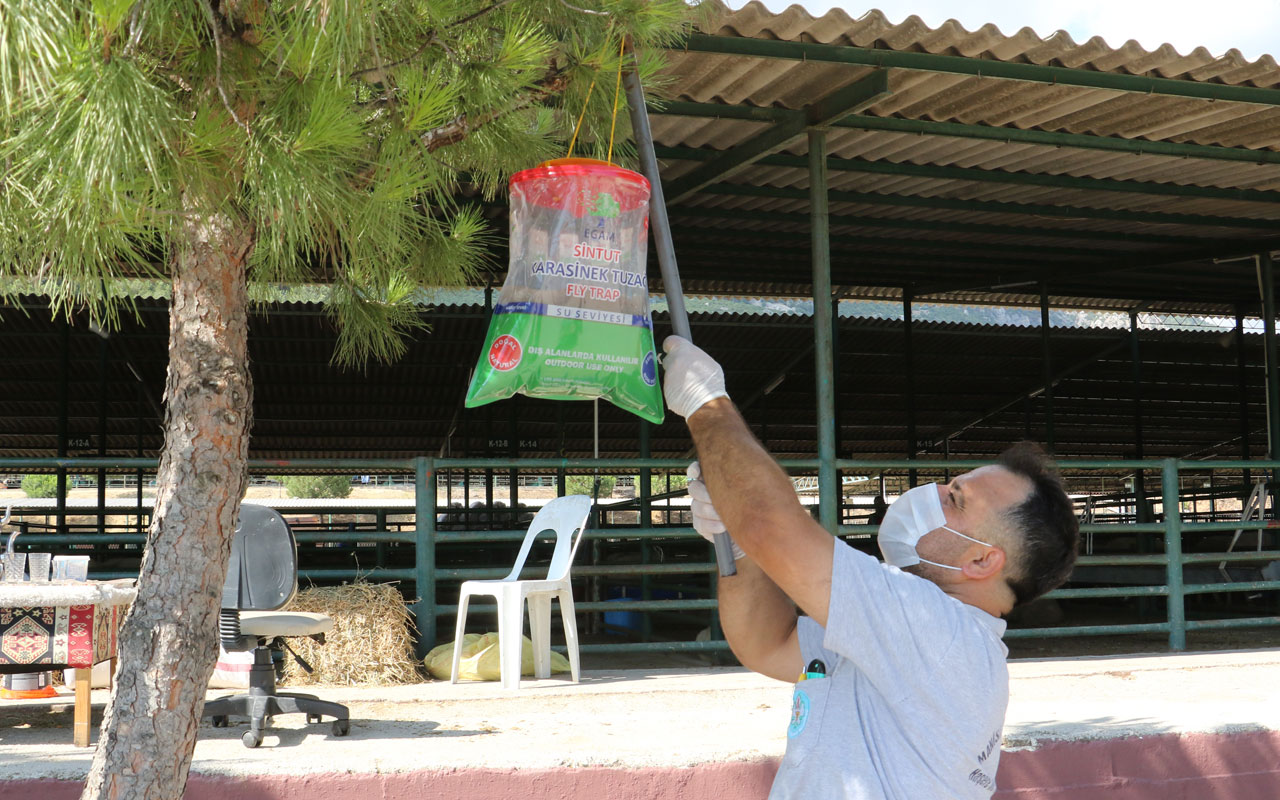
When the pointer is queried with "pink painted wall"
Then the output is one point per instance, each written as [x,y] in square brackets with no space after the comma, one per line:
[1244,766]
[1198,766]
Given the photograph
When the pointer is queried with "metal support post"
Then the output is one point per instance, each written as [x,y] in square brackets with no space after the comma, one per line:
[424,549]
[1046,366]
[828,481]
[837,417]
[513,476]
[644,492]
[380,549]
[104,356]
[1267,273]
[1135,357]
[64,378]
[561,490]
[1242,397]
[1173,555]
[138,451]
[909,366]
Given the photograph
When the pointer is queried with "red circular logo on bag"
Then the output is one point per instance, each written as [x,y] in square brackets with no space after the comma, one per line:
[505,353]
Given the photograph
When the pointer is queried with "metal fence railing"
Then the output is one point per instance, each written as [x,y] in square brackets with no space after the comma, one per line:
[651,566]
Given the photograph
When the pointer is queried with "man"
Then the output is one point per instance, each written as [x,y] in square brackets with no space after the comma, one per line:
[902,683]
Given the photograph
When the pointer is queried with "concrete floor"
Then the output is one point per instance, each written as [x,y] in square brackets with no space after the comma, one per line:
[673,723]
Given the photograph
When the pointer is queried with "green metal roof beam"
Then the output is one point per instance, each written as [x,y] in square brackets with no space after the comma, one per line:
[1060,139]
[934,225]
[840,103]
[997,207]
[978,67]
[848,254]
[989,132]
[850,241]
[897,168]
[1128,263]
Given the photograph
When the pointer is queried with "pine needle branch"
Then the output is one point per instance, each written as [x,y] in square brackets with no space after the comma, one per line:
[217,54]
[572,7]
[381,68]
[137,21]
[477,15]
[463,125]
[434,39]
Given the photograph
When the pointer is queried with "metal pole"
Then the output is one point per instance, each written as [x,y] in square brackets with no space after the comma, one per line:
[1273,375]
[513,476]
[1242,396]
[561,490]
[1047,367]
[644,492]
[657,206]
[64,377]
[1173,555]
[103,361]
[1135,356]
[661,228]
[138,450]
[824,358]
[909,366]
[424,549]
[837,418]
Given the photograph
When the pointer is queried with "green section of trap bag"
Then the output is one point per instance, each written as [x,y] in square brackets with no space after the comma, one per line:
[568,359]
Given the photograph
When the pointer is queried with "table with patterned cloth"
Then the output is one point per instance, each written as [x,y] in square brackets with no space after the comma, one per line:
[52,626]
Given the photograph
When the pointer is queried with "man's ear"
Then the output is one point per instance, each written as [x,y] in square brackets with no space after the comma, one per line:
[985,564]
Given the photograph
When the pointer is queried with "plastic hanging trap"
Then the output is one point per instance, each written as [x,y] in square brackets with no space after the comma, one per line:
[572,319]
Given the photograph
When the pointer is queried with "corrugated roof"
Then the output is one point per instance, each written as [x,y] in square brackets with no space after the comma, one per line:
[930,185]
[875,29]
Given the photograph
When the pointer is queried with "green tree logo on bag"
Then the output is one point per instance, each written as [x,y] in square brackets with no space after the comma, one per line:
[606,206]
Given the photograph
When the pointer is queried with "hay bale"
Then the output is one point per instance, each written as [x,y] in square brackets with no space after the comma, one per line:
[369,644]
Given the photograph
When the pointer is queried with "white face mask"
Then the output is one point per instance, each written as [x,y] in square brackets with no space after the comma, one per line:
[916,512]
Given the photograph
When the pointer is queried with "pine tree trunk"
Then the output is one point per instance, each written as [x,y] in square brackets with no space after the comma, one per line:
[168,643]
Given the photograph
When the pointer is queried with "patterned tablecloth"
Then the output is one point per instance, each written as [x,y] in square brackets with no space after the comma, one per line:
[57,636]
[52,626]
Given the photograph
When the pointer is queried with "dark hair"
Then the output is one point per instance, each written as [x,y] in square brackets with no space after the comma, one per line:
[1046,522]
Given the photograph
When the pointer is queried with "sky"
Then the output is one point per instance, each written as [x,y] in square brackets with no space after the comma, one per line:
[1250,26]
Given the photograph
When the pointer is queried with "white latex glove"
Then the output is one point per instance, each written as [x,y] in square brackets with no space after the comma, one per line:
[691,377]
[706,520]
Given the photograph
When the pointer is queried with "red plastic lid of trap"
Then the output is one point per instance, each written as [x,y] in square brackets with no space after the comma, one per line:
[575,184]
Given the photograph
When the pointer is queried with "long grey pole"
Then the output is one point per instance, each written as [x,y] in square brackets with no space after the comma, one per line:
[666,252]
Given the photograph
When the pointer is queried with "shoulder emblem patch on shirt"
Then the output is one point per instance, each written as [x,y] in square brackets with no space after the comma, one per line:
[799,713]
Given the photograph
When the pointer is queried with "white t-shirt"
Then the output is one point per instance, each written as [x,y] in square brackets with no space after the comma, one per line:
[913,704]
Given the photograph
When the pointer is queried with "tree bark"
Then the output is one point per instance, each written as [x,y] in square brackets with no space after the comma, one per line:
[168,643]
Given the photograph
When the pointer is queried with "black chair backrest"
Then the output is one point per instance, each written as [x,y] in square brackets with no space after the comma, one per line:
[263,572]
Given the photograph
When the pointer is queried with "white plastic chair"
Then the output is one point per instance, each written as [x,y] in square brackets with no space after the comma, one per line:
[567,517]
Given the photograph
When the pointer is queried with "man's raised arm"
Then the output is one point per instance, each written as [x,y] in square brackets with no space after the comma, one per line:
[753,496]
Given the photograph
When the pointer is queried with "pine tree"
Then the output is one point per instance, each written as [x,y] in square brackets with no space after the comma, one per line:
[226,145]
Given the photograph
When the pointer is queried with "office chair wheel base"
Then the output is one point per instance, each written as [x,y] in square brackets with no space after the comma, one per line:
[341,727]
[251,738]
[218,721]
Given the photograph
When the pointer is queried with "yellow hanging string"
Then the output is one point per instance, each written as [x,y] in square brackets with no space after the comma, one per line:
[586,103]
[622,43]
[578,127]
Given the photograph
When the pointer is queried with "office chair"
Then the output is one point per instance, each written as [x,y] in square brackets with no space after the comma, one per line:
[262,577]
